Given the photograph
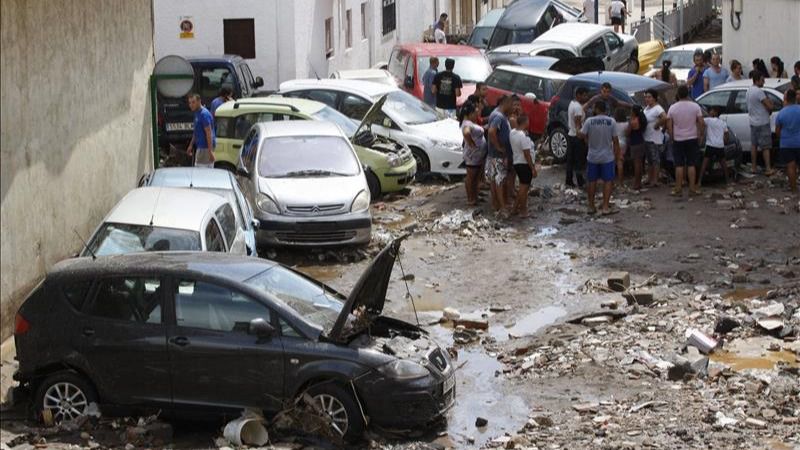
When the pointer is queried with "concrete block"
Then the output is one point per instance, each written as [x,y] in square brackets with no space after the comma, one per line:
[619,281]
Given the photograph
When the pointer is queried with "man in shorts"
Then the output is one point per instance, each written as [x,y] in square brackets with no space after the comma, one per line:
[787,127]
[600,133]
[653,135]
[499,154]
[758,110]
[685,124]
[576,148]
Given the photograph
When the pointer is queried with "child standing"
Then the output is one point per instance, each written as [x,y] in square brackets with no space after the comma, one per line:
[716,131]
[523,156]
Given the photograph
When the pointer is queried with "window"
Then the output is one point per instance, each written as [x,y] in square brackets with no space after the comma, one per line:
[719,98]
[249,151]
[524,84]
[329,37]
[240,37]
[76,292]
[501,79]
[777,103]
[348,28]
[128,299]
[214,242]
[389,17]
[363,21]
[216,308]
[212,79]
[409,77]
[244,83]
[327,97]
[227,221]
[596,49]
[739,103]
[614,42]
[287,330]
[558,53]
[355,107]
[397,63]
[237,127]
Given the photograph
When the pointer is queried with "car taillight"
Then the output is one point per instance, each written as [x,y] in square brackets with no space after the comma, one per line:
[21,325]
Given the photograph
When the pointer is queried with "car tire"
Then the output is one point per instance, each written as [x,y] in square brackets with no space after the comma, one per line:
[225,165]
[334,398]
[374,185]
[423,163]
[634,65]
[66,394]
[558,144]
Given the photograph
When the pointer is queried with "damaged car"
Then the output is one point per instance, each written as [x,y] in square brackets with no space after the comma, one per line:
[215,333]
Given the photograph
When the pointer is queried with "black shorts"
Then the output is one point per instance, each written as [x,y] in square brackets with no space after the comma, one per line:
[524,173]
[714,153]
[616,21]
[789,155]
[684,153]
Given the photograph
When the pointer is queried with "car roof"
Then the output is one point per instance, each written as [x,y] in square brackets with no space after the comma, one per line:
[271,103]
[701,45]
[627,82]
[573,32]
[215,58]
[769,83]
[300,128]
[428,49]
[184,177]
[165,207]
[541,73]
[491,18]
[364,88]
[523,13]
[363,73]
[207,264]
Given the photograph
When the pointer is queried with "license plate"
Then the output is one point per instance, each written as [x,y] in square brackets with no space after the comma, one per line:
[449,384]
[183,126]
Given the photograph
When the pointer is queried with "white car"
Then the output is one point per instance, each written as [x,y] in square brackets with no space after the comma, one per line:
[619,52]
[731,98]
[682,58]
[556,50]
[162,219]
[374,75]
[435,141]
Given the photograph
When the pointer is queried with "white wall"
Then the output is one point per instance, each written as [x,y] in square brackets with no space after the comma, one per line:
[768,28]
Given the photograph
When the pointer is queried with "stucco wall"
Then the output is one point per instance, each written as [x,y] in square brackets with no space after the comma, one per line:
[75,127]
[768,28]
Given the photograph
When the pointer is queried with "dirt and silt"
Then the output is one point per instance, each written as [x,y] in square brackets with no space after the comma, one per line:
[542,375]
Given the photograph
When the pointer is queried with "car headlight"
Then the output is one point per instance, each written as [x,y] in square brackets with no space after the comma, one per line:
[402,369]
[393,160]
[267,204]
[361,202]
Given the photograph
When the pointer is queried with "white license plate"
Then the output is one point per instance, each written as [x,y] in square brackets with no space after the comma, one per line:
[184,126]
[449,384]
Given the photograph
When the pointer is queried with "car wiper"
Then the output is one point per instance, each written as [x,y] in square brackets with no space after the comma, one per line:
[308,173]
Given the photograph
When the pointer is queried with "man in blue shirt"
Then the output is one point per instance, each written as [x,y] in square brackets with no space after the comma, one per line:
[225,94]
[427,82]
[203,135]
[787,127]
[695,80]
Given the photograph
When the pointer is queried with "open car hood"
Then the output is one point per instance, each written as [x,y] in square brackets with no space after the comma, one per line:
[371,116]
[368,295]
[578,64]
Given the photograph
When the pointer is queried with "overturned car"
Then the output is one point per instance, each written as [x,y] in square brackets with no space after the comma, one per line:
[213,333]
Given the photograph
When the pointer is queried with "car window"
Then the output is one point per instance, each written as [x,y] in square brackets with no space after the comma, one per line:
[249,150]
[237,127]
[355,107]
[525,83]
[227,221]
[248,75]
[214,242]
[777,103]
[212,307]
[245,84]
[595,49]
[76,292]
[558,53]
[718,98]
[501,79]
[212,79]
[409,74]
[242,206]
[739,103]
[132,299]
[287,330]
[613,41]
[396,63]
[327,97]
[118,238]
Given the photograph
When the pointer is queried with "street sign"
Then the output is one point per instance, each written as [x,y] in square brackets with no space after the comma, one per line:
[181,80]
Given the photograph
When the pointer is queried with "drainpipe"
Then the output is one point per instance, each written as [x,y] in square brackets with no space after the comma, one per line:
[680,21]
[642,11]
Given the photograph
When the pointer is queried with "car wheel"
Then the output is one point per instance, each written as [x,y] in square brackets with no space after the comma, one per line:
[423,163]
[340,407]
[634,65]
[225,165]
[66,394]
[374,185]
[558,143]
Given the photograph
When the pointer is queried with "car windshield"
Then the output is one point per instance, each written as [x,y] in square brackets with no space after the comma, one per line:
[405,108]
[681,59]
[307,156]
[119,238]
[471,69]
[480,36]
[308,299]
[331,115]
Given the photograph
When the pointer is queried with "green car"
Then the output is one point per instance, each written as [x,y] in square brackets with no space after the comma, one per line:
[390,166]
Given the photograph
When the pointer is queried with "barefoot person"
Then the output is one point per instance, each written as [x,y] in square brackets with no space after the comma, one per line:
[716,130]
[787,127]
[474,150]
[600,133]
[685,125]
[522,149]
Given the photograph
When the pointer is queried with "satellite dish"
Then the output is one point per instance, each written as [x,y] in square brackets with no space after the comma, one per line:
[174,65]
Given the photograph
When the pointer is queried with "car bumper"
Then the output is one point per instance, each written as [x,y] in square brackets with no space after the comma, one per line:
[447,161]
[398,405]
[344,229]
[395,179]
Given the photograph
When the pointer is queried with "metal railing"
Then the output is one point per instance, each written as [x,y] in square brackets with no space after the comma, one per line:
[674,26]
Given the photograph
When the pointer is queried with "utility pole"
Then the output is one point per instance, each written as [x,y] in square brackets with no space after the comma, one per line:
[642,11]
[596,11]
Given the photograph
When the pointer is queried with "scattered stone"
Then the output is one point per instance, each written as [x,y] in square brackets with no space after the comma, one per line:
[755,423]
[481,422]
[472,324]
[684,276]
[586,407]
[770,325]
[700,340]
[726,324]
[451,314]
[408,277]
[639,298]
[650,404]
[619,281]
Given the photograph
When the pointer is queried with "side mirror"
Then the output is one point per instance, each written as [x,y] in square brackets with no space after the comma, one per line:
[387,122]
[241,171]
[409,83]
[261,328]
[258,83]
[256,223]
[531,95]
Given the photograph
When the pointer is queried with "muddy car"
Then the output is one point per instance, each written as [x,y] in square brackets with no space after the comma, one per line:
[236,331]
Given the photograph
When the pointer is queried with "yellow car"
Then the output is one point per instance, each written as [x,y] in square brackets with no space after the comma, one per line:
[648,54]
[390,166]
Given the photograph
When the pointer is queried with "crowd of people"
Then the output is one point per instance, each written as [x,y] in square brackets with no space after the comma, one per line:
[603,129]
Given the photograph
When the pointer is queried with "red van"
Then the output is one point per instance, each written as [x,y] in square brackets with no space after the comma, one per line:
[409,62]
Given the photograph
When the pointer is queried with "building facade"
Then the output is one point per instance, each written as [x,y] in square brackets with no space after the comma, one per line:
[75,129]
[293,39]
[761,29]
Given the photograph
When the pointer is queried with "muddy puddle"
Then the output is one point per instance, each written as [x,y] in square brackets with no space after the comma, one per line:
[545,232]
[767,361]
[528,324]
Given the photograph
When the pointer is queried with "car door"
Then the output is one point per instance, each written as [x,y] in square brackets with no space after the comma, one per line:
[246,213]
[499,83]
[215,362]
[616,55]
[124,340]
[233,233]
[597,49]
[738,119]
[247,162]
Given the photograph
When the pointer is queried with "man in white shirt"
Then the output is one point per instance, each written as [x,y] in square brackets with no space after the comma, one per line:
[617,12]
[439,35]
[576,148]
[758,110]
[523,157]
[653,135]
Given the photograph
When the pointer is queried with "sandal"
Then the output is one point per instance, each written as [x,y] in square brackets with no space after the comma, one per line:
[675,192]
